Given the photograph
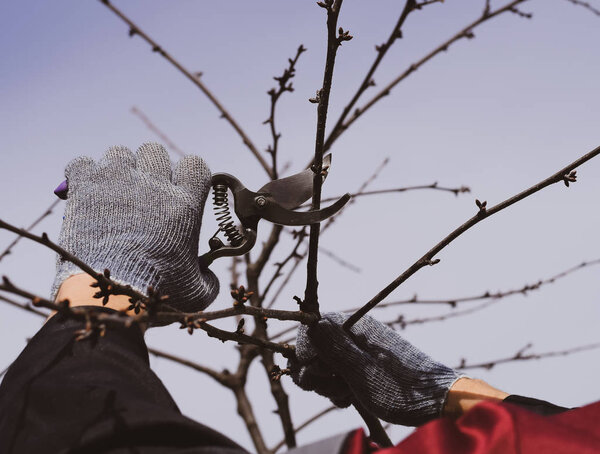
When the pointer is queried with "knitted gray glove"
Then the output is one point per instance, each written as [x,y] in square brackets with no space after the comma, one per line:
[385,373]
[129,214]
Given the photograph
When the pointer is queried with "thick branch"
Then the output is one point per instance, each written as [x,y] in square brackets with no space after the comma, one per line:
[194,78]
[244,409]
[566,174]
[277,391]
[311,301]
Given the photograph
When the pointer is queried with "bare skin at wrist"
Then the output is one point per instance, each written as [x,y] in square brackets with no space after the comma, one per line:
[468,392]
[77,289]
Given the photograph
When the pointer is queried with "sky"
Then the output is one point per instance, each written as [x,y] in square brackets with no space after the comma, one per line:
[497,113]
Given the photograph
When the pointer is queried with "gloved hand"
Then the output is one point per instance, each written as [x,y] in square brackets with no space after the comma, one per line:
[375,366]
[130,214]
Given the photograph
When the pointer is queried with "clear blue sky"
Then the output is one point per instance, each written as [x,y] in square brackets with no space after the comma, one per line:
[496,113]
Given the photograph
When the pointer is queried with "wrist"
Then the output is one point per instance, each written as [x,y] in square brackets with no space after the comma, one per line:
[78,290]
[466,392]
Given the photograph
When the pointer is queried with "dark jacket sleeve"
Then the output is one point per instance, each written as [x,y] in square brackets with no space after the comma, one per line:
[97,395]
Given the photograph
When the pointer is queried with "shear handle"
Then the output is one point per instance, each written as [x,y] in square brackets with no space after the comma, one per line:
[229,251]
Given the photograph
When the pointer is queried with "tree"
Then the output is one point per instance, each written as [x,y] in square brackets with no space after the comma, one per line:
[388,246]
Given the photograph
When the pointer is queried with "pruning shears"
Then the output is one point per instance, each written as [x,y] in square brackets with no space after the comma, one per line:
[275,202]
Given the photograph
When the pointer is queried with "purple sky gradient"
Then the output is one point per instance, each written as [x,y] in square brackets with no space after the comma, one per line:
[497,113]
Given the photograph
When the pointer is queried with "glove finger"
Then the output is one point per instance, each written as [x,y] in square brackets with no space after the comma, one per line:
[78,171]
[153,159]
[117,160]
[193,175]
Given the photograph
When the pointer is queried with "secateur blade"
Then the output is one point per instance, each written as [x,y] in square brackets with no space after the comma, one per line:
[291,192]
[274,202]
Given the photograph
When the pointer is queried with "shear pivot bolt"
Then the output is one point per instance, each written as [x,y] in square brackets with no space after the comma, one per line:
[260,201]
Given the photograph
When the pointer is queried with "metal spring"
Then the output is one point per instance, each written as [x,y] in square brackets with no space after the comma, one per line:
[221,207]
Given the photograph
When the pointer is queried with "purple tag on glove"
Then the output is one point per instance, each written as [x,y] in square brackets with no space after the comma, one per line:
[61,190]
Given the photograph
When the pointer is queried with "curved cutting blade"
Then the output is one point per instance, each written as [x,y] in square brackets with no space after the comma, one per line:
[291,192]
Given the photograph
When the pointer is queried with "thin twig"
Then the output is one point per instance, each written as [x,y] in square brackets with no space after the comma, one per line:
[586,5]
[340,261]
[522,356]
[368,81]
[434,186]
[524,290]
[45,214]
[286,280]
[466,32]
[299,236]
[566,175]
[401,322]
[275,94]
[152,127]
[25,306]
[194,78]
[218,376]
[306,423]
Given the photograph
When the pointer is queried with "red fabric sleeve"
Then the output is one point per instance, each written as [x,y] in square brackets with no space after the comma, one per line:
[503,428]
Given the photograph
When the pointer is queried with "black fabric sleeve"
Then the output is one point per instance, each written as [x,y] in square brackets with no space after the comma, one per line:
[97,395]
[541,407]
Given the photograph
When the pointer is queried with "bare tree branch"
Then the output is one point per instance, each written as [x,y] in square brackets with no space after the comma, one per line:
[466,32]
[237,309]
[194,78]
[152,127]
[434,186]
[368,81]
[218,376]
[522,356]
[275,94]
[524,290]
[402,323]
[44,215]
[566,175]
[340,261]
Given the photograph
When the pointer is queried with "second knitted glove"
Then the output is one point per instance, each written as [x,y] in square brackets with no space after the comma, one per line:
[389,376]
